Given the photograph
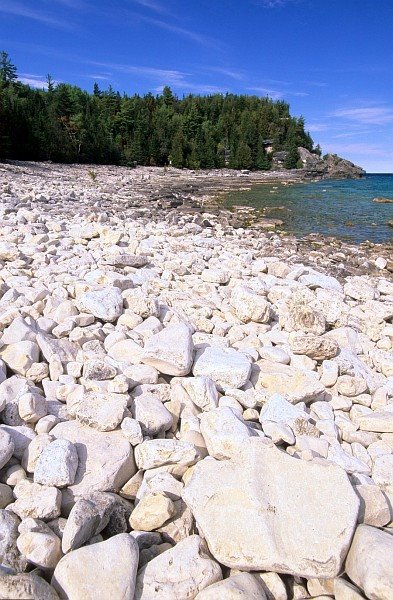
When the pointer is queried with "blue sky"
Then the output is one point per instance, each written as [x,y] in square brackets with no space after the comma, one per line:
[332,60]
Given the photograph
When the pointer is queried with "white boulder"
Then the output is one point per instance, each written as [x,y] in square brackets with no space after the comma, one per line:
[181,572]
[107,568]
[249,305]
[273,497]
[170,351]
[105,458]
[227,367]
[105,304]
[369,562]
[57,464]
[223,432]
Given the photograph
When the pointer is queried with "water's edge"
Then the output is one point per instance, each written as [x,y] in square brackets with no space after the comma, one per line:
[338,208]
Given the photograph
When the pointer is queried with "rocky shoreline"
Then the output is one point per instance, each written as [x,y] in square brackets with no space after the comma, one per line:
[189,409]
[170,195]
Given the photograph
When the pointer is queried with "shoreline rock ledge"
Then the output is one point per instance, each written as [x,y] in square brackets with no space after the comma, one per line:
[331,166]
[188,410]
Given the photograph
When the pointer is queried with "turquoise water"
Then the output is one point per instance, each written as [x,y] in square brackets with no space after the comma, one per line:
[343,209]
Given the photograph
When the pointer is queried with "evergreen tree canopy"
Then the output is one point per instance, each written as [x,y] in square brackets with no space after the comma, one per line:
[67,124]
[7,69]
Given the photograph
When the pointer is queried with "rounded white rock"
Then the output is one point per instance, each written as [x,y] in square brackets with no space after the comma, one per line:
[105,304]
[57,464]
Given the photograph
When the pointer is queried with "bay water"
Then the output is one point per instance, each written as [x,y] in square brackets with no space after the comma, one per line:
[339,208]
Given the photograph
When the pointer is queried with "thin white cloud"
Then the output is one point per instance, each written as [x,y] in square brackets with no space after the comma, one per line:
[99,77]
[168,76]
[232,73]
[372,115]
[152,5]
[316,83]
[277,81]
[74,4]
[270,3]
[355,133]
[173,78]
[19,10]
[273,94]
[197,88]
[360,148]
[315,127]
[276,94]
[204,40]
[201,88]
[35,81]
[273,3]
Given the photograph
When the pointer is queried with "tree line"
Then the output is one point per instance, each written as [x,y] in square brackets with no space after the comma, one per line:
[64,123]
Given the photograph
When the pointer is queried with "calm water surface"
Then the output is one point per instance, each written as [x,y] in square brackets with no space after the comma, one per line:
[343,208]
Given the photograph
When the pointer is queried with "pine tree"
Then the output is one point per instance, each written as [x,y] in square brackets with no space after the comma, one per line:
[50,84]
[4,137]
[167,96]
[318,150]
[292,158]
[7,69]
[263,162]
[176,156]
[243,156]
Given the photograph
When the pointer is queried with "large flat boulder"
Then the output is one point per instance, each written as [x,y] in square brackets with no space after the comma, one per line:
[265,510]
[292,384]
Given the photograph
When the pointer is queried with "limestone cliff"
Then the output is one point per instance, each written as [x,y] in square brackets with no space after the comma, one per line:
[329,167]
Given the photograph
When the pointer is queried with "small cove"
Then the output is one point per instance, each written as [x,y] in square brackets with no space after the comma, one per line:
[339,208]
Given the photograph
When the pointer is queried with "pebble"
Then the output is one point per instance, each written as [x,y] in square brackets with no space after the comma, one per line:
[36,501]
[132,431]
[315,347]
[158,453]
[26,585]
[224,433]
[41,548]
[151,414]
[103,412]
[105,458]
[249,305]
[374,507]
[381,422]
[20,356]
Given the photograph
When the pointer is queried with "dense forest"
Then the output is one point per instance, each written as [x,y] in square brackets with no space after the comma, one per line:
[64,123]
